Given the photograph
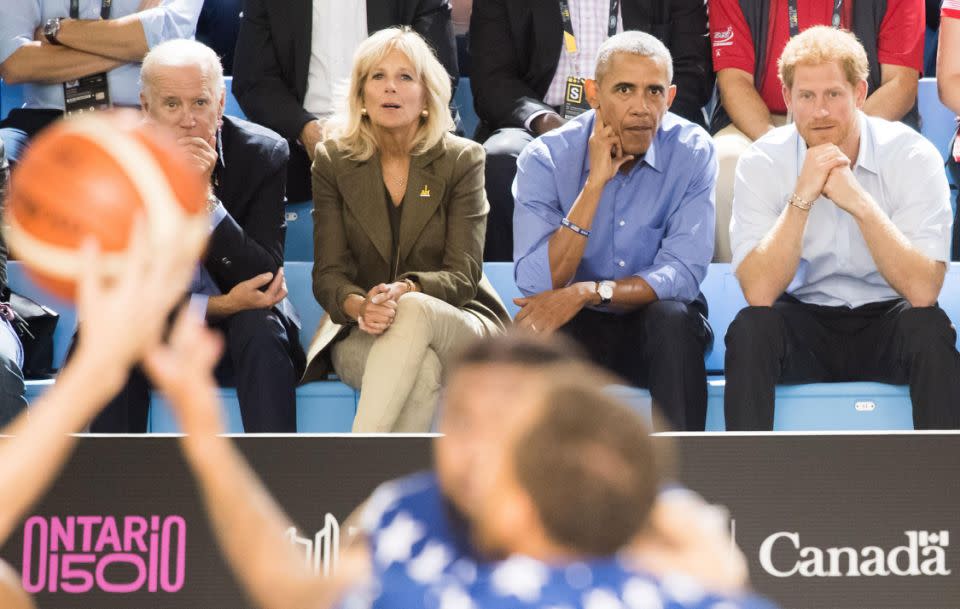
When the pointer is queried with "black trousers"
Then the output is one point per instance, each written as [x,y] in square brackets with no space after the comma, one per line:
[502,148]
[659,347]
[260,360]
[793,342]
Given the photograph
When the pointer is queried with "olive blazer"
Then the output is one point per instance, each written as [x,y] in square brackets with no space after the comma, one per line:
[442,230]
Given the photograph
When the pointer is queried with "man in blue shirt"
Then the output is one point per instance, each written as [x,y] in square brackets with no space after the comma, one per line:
[78,54]
[614,230]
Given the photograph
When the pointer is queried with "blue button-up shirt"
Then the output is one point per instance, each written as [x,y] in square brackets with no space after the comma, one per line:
[655,222]
[19,20]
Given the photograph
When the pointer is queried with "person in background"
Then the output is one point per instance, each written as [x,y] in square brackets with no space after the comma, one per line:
[239,286]
[77,61]
[614,231]
[293,61]
[948,87]
[747,38]
[12,400]
[399,218]
[524,55]
[841,238]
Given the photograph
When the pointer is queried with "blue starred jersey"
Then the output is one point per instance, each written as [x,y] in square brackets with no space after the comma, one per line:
[422,559]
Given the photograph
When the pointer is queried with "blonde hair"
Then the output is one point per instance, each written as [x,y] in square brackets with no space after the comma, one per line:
[824,44]
[181,53]
[350,127]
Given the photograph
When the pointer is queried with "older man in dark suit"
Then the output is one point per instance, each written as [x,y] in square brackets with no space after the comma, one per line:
[240,282]
[292,58]
[524,55]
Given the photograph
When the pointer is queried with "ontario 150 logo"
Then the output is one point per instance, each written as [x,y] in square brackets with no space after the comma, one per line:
[75,554]
[924,553]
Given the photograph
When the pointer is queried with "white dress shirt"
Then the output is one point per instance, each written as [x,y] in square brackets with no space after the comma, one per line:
[339,26]
[901,170]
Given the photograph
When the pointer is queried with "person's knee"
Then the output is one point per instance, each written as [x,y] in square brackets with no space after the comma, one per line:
[670,319]
[505,145]
[256,330]
[753,328]
[412,308]
[926,328]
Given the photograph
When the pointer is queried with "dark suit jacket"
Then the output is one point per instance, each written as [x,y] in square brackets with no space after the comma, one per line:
[442,229]
[515,47]
[273,53]
[250,181]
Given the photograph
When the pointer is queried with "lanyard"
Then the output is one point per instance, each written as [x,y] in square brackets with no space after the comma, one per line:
[104,9]
[569,40]
[795,21]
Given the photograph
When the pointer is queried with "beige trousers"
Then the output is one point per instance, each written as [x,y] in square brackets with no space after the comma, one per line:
[730,143]
[398,373]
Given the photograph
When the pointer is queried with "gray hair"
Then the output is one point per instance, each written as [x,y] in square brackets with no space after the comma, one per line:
[181,53]
[634,43]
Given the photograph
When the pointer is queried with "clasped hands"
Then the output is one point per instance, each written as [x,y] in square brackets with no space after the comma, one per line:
[827,171]
[379,307]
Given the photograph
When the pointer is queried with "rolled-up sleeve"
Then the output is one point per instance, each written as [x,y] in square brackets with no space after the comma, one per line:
[923,212]
[536,216]
[171,20]
[687,246]
[20,18]
[756,203]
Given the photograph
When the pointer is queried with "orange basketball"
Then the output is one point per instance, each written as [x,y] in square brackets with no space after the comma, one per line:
[91,176]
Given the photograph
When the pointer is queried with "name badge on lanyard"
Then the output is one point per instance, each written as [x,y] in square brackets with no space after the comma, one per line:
[574,96]
[90,92]
[795,19]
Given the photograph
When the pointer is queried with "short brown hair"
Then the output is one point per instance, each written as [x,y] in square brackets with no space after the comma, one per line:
[824,44]
[589,466]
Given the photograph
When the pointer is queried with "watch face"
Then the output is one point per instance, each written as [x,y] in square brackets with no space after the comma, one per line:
[605,291]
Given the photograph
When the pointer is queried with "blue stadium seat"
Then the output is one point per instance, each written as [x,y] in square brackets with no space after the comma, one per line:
[330,406]
[11,96]
[463,98]
[232,106]
[937,123]
[299,240]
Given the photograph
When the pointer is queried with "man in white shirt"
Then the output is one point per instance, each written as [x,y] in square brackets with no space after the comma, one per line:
[841,237]
[293,60]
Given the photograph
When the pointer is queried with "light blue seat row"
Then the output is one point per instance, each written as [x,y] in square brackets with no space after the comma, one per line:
[329,406]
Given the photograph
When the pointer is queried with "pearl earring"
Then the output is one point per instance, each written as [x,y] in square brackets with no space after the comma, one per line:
[363,111]
[425,113]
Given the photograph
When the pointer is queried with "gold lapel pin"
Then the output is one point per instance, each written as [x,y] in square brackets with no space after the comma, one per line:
[425,192]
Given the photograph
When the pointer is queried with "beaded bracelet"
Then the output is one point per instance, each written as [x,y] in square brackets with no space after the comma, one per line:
[580,231]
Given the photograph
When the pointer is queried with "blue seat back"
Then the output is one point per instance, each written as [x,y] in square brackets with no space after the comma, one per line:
[500,275]
[300,292]
[937,122]
[11,96]
[299,239]
[464,101]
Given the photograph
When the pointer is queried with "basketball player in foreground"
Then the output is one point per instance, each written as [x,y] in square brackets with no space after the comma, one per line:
[123,317]
[536,465]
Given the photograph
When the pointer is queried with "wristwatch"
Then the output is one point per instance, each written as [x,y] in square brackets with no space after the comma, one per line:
[605,290]
[51,28]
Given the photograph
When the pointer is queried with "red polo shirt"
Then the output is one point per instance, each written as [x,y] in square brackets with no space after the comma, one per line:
[901,37]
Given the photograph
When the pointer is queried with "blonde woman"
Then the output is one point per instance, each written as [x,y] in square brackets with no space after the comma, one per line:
[399,223]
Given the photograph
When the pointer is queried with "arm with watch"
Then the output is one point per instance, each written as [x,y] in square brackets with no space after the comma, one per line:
[126,38]
[551,309]
[768,269]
